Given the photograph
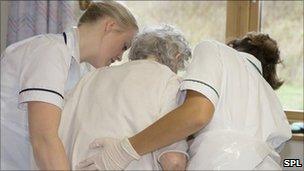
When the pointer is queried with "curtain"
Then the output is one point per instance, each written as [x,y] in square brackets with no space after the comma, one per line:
[29,18]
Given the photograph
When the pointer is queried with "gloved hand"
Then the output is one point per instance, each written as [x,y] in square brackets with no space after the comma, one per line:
[113,154]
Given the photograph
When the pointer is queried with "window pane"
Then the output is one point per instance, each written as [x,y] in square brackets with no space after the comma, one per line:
[198,20]
[283,21]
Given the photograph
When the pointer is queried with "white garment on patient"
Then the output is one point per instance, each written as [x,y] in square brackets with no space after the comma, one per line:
[249,126]
[118,102]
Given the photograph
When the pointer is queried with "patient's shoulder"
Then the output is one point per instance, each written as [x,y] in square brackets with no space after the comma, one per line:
[151,65]
[149,71]
[147,66]
[138,70]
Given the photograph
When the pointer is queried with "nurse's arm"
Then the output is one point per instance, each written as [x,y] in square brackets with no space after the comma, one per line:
[190,117]
[44,119]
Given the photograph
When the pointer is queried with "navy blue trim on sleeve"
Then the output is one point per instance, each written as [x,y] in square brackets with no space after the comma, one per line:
[65,37]
[255,66]
[41,89]
[204,84]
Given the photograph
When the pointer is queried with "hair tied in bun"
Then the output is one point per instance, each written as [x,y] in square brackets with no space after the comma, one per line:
[84,4]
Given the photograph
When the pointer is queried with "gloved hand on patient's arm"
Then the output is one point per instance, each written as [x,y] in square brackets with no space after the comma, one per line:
[117,154]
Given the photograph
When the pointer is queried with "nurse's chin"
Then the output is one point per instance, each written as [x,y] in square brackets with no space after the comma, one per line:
[108,64]
[105,64]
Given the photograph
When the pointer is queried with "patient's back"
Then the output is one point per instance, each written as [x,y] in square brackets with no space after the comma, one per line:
[117,102]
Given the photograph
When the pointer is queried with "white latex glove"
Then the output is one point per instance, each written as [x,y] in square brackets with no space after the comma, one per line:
[113,154]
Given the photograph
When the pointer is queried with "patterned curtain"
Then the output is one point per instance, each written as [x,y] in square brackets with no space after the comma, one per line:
[29,18]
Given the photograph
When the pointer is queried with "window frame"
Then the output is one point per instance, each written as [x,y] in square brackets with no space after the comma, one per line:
[295,116]
[242,17]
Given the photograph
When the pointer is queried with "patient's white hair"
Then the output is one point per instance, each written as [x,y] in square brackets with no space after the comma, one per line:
[164,43]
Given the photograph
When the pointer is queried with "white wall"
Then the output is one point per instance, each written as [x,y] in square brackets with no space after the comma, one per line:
[4,14]
[293,150]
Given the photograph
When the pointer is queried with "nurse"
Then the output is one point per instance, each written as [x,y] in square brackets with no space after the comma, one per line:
[36,74]
[230,109]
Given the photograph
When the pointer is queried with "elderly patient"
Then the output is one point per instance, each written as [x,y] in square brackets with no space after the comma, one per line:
[120,101]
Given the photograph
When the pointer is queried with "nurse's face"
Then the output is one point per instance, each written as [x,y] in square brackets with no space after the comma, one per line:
[112,46]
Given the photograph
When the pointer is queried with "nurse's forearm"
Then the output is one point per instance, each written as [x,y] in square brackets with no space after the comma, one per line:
[49,153]
[187,119]
[173,127]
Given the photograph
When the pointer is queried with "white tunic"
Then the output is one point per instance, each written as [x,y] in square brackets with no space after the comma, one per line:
[41,68]
[119,102]
[249,123]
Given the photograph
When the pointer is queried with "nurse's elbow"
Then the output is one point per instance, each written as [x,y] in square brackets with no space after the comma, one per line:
[44,120]
[38,140]
[201,113]
[199,120]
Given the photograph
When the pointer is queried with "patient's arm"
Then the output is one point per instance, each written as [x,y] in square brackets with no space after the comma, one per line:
[173,161]
[172,157]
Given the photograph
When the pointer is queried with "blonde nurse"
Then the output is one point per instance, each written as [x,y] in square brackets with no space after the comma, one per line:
[36,74]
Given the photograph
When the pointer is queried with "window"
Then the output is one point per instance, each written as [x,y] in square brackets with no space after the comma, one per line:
[283,20]
[198,20]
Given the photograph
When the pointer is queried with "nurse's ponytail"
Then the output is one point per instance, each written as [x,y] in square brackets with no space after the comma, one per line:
[266,50]
[97,10]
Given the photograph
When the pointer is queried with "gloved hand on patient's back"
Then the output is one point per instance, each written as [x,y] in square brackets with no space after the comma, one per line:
[114,154]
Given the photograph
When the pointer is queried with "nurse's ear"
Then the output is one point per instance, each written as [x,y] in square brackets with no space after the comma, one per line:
[110,25]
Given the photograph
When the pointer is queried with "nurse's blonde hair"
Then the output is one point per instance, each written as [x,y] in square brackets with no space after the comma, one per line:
[97,10]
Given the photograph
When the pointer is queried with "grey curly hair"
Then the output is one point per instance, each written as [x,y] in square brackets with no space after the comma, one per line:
[164,43]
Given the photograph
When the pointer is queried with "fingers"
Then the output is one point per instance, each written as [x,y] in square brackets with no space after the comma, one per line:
[101,142]
[85,163]
[91,167]
[91,164]
[97,143]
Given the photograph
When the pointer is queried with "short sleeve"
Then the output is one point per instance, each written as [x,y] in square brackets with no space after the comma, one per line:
[44,73]
[204,74]
[171,97]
